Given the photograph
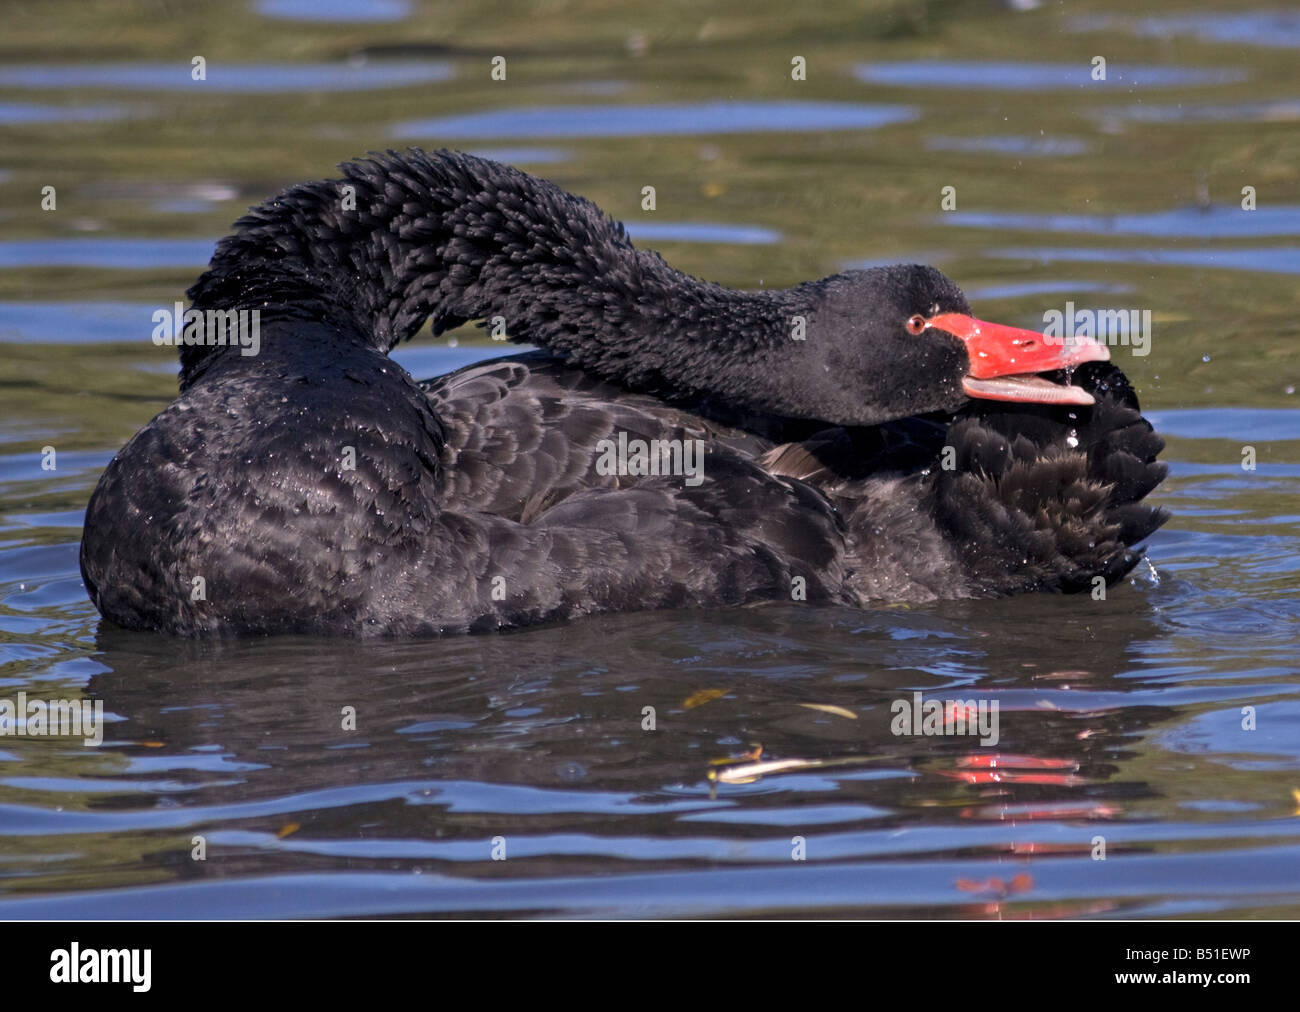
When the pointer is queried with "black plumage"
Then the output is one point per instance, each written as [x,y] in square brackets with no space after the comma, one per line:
[316,487]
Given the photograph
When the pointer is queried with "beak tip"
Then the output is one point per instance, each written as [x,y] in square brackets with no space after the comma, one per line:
[1084,350]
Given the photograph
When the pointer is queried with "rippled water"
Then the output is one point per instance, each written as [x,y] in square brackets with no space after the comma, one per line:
[1121,720]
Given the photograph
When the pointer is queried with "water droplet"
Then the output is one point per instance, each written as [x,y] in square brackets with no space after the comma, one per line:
[1151,578]
[1072,439]
[1205,358]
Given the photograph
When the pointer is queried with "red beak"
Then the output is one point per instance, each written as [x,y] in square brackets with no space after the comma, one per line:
[1004,361]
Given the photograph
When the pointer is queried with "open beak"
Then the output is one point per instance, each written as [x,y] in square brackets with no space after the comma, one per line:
[1005,361]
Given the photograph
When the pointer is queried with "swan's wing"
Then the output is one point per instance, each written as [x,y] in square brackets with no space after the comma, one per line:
[525,432]
[837,456]
[527,504]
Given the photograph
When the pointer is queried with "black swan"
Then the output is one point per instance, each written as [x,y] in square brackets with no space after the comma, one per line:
[862,438]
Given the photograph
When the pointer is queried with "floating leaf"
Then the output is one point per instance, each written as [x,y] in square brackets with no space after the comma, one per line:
[747,773]
[838,711]
[703,696]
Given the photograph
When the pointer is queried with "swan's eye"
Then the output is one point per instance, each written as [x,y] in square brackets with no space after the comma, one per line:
[916,324]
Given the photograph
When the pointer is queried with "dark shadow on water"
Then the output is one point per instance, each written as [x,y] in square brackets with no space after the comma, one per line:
[564,705]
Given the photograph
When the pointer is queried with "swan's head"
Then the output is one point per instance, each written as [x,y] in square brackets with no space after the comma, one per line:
[901,341]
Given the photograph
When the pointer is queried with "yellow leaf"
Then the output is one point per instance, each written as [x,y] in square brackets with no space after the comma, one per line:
[288,829]
[703,696]
[839,711]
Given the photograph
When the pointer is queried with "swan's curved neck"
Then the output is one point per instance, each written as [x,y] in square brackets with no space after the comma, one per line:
[402,238]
